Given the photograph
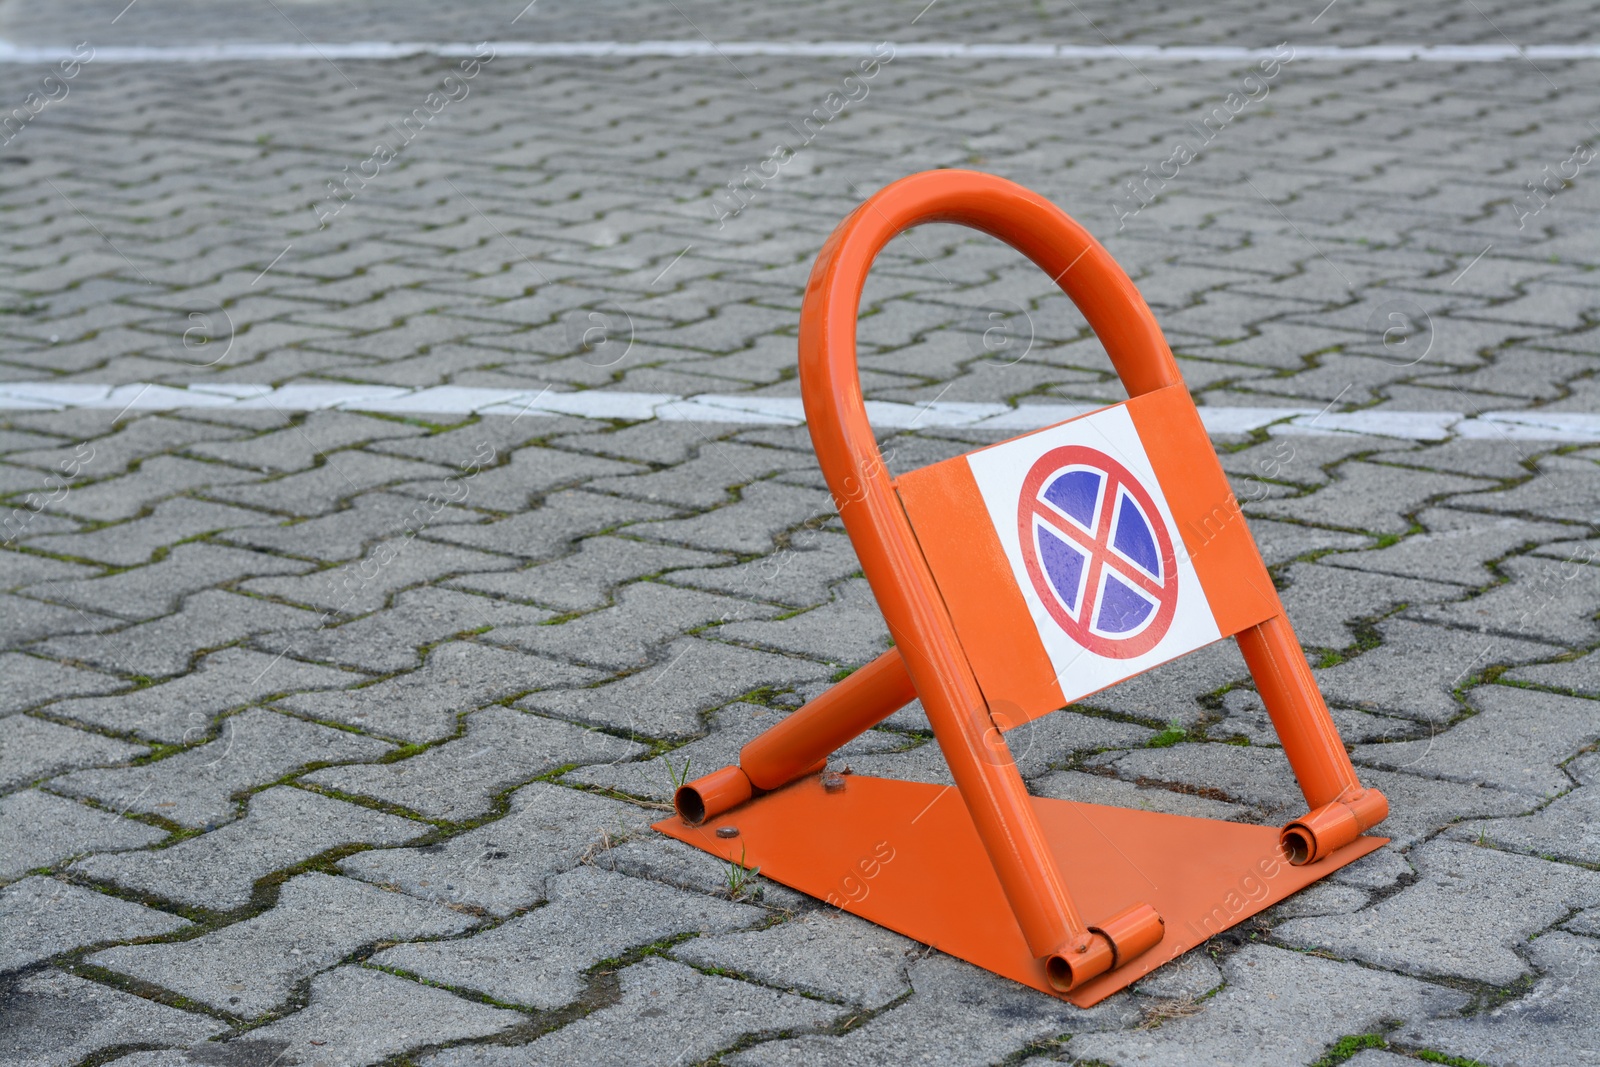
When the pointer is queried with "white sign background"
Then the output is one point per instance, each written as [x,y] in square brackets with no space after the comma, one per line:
[1000,472]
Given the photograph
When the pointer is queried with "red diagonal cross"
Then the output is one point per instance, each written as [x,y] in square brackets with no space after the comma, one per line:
[1098,547]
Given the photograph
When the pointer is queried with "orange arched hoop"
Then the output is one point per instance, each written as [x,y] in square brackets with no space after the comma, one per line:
[928,659]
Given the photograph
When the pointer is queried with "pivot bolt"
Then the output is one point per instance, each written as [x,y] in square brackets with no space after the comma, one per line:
[833,782]
[727,831]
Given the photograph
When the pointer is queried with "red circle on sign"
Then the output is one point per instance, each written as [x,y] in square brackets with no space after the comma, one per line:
[1098,552]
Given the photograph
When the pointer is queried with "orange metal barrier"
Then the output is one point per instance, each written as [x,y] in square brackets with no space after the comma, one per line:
[929,659]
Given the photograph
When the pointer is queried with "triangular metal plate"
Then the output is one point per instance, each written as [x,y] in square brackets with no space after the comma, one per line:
[905,855]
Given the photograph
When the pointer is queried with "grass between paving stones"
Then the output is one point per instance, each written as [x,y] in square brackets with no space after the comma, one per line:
[1171,735]
[1347,1047]
[1430,1056]
[143,989]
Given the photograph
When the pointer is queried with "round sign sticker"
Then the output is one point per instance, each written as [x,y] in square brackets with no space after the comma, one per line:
[1098,552]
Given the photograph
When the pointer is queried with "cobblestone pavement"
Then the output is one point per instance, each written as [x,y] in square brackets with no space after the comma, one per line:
[332,737]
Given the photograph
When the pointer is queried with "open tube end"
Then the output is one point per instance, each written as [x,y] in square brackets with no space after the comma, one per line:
[1326,830]
[1088,956]
[1104,947]
[690,804]
[706,798]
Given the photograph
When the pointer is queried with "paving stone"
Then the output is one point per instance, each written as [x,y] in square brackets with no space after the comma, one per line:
[531,473]
[13,480]
[826,953]
[1314,1002]
[800,575]
[1322,898]
[298,447]
[538,959]
[1467,910]
[322,489]
[1482,457]
[1415,670]
[921,763]
[1246,717]
[1581,675]
[957,1015]
[1455,549]
[661,442]
[361,1016]
[207,620]
[424,705]
[41,830]
[1291,455]
[33,681]
[668,1013]
[1551,1025]
[487,441]
[1567,828]
[1190,976]
[732,728]
[134,440]
[1280,542]
[704,674]
[661,859]
[253,966]
[31,749]
[1552,494]
[283,826]
[502,866]
[43,917]
[1585,922]
[1261,778]
[1368,497]
[1544,600]
[157,478]
[157,588]
[196,787]
[646,615]
[1577,551]
[18,569]
[18,524]
[390,640]
[1376,870]
[1054,738]
[1516,741]
[459,779]
[849,629]
[1322,601]
[764,510]
[389,566]
[343,535]
[128,544]
[545,531]
[1099,789]
[704,481]
[23,619]
[182,710]
[583,581]
[1171,692]
[57,1020]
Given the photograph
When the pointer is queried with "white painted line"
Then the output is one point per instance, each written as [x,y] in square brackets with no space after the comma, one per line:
[1535,425]
[1412,425]
[273,51]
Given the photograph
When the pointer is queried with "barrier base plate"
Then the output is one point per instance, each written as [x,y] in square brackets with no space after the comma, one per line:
[905,855]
